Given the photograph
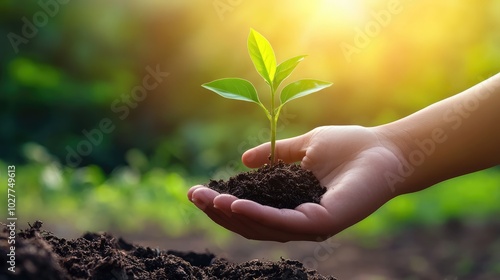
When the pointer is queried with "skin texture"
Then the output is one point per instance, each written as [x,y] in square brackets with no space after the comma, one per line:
[364,167]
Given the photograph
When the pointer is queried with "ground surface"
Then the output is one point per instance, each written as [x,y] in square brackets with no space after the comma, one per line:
[41,255]
[281,186]
[450,251]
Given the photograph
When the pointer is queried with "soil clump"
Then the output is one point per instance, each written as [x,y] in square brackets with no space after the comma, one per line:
[281,186]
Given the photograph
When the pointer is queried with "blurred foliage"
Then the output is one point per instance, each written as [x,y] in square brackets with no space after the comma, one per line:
[471,199]
[67,66]
[128,199]
[134,198]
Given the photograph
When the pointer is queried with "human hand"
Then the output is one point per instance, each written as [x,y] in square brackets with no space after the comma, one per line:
[350,161]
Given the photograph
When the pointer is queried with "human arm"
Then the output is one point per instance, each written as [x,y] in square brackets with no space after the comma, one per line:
[453,137]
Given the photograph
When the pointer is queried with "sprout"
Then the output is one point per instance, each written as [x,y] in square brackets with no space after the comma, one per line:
[264,60]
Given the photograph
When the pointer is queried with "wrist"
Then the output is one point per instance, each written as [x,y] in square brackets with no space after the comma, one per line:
[399,143]
[419,155]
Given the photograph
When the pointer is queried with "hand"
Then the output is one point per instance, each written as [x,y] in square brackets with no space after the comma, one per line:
[353,163]
[350,161]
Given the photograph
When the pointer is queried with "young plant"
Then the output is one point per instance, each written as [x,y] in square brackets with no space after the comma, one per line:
[264,60]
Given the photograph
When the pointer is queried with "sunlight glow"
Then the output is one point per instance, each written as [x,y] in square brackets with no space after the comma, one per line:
[341,9]
[332,17]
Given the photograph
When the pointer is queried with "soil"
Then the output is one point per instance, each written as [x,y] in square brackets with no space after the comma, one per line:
[447,250]
[281,186]
[41,255]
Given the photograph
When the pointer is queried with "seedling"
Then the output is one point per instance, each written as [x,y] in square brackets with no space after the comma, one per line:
[264,60]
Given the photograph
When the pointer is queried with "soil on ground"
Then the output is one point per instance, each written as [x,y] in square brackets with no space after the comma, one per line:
[281,186]
[447,250]
[41,255]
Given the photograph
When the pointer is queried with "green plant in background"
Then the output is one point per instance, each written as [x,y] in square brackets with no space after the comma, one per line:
[264,60]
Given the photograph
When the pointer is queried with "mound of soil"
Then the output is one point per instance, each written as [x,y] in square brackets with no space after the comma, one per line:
[41,255]
[281,185]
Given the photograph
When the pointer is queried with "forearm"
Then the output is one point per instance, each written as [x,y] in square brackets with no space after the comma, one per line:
[455,136]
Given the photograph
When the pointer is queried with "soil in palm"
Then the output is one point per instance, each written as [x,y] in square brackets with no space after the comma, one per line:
[281,185]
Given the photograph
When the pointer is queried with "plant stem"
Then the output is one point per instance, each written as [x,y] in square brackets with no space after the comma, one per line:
[273,120]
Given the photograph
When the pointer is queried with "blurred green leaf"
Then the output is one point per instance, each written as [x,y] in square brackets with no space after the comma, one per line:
[136,159]
[31,73]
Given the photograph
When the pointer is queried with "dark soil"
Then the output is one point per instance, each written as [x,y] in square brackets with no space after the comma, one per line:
[281,185]
[41,255]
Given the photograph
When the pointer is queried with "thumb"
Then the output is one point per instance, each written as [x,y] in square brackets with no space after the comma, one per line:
[289,150]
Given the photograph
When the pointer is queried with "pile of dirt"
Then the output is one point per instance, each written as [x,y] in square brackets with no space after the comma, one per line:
[281,185]
[41,255]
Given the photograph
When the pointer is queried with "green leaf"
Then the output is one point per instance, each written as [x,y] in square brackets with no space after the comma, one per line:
[301,88]
[285,69]
[262,55]
[234,88]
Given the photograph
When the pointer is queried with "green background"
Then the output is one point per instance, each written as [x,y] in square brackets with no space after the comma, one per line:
[67,66]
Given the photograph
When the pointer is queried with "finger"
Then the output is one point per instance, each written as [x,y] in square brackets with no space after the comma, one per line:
[223,202]
[203,197]
[251,229]
[223,220]
[218,208]
[191,191]
[288,150]
[307,219]
[222,214]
